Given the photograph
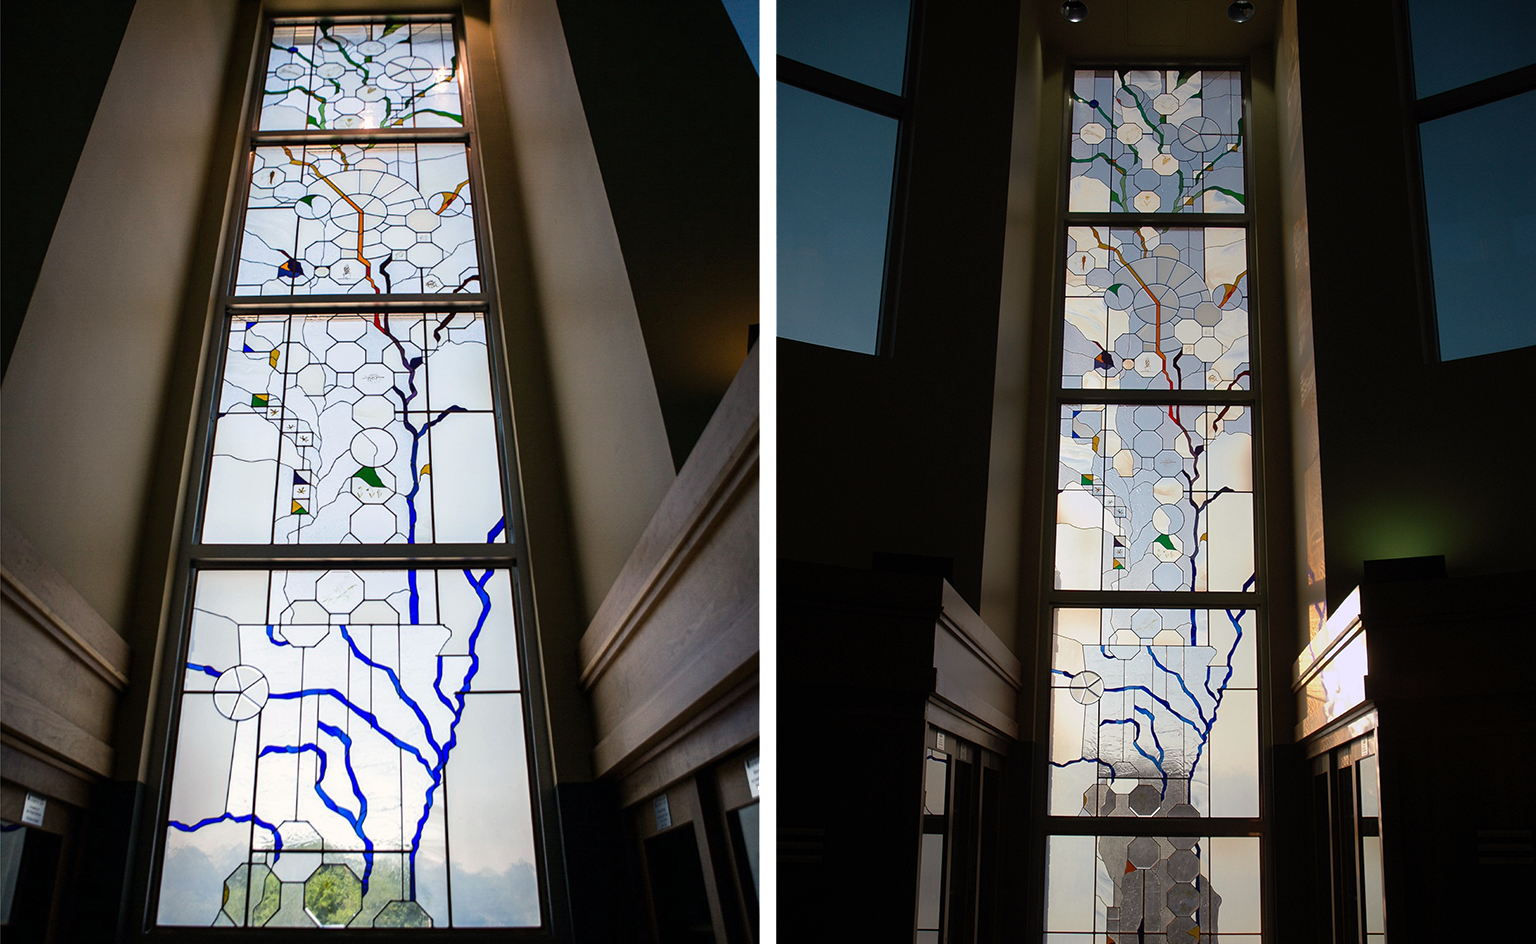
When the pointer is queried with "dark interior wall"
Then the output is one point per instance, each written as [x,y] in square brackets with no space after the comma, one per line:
[48,95]
[671,100]
[888,453]
[1416,455]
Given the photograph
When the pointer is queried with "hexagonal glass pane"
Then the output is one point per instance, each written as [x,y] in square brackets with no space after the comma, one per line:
[361,429]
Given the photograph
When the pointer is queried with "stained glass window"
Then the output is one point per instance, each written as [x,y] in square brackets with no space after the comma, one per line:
[1154,713]
[385,74]
[350,745]
[328,427]
[369,218]
[1144,888]
[1152,140]
[1153,702]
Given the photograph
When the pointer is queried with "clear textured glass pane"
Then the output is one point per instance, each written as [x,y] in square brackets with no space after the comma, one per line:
[1365,769]
[835,170]
[1152,713]
[1454,45]
[1155,498]
[1125,888]
[1156,309]
[311,781]
[355,428]
[1153,141]
[930,886]
[935,783]
[862,40]
[1370,862]
[494,880]
[358,219]
[748,817]
[385,74]
[1477,224]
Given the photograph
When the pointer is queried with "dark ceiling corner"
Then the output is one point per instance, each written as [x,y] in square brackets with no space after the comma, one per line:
[53,69]
[671,100]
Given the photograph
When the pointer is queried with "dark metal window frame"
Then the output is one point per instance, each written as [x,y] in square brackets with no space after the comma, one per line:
[808,78]
[194,557]
[1052,599]
[1416,112]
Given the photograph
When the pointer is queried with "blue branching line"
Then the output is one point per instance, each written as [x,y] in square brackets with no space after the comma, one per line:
[453,735]
[1157,698]
[1157,662]
[205,669]
[373,722]
[399,690]
[273,637]
[277,840]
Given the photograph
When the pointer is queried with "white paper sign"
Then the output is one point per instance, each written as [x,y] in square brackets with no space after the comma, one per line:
[663,812]
[32,809]
[752,775]
[941,739]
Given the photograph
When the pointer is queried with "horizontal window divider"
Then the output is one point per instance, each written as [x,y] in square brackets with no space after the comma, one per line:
[458,135]
[1158,599]
[1486,92]
[834,86]
[352,304]
[1098,395]
[380,556]
[342,19]
[1157,219]
[1152,826]
[1167,65]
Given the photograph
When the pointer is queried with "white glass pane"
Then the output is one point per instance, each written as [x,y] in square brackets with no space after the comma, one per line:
[490,820]
[1070,884]
[1365,769]
[1234,869]
[1370,861]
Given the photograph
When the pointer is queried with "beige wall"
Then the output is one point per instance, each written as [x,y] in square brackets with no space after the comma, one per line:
[1010,398]
[84,392]
[612,440]
[1306,461]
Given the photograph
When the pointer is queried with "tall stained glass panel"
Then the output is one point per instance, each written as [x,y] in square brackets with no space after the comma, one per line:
[350,742]
[1156,140]
[382,74]
[1153,707]
[369,218]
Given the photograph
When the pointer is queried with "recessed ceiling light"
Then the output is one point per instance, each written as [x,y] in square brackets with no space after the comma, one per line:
[1074,11]
[1241,11]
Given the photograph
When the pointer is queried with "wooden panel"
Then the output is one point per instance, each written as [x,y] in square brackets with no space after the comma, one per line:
[730,722]
[678,631]
[62,675]
[35,723]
